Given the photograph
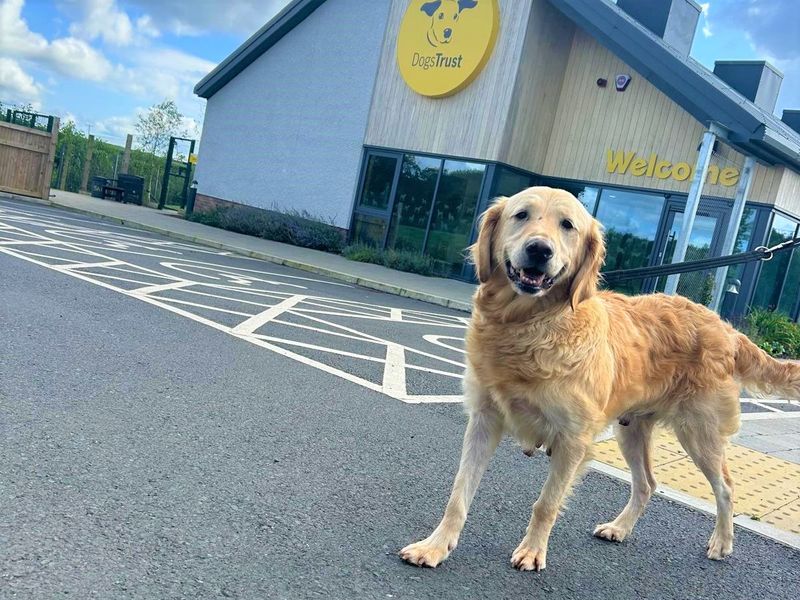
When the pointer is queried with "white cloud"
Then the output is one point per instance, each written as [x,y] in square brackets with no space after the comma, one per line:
[147,27]
[201,16]
[67,56]
[103,19]
[15,84]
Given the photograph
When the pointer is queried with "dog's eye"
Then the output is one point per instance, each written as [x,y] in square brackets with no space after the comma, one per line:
[521,215]
[567,224]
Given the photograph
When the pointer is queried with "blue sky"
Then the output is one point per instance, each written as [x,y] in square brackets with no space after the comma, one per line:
[103,62]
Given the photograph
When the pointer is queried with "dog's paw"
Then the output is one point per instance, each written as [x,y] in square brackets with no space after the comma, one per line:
[425,553]
[526,558]
[610,532]
[719,546]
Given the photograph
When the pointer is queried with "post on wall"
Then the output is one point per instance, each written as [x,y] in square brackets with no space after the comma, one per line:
[742,193]
[53,124]
[692,202]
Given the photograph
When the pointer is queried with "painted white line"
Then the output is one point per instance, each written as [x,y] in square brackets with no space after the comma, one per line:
[28,243]
[394,371]
[770,416]
[764,529]
[327,349]
[203,306]
[262,318]
[396,315]
[152,289]
[764,406]
[437,341]
[108,263]
[432,399]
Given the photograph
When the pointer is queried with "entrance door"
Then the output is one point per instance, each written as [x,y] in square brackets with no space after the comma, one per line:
[704,241]
[379,182]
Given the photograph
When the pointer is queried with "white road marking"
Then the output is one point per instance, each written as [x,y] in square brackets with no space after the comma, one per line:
[437,340]
[153,289]
[262,318]
[108,263]
[394,371]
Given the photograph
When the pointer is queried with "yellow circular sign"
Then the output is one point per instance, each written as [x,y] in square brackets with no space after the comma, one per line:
[442,45]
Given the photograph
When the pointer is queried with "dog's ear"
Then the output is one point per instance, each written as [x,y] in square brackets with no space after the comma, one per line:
[431,7]
[463,4]
[483,249]
[584,284]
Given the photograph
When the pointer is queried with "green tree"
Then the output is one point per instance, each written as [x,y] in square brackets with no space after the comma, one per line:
[154,128]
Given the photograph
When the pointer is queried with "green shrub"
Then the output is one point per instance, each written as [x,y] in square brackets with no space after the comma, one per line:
[296,228]
[400,260]
[773,332]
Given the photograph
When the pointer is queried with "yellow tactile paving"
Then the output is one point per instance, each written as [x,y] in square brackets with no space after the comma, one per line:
[766,488]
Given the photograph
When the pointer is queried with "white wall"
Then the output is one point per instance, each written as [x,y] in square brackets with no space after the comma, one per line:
[287,132]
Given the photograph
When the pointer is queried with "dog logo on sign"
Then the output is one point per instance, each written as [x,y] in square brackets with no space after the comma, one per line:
[444,16]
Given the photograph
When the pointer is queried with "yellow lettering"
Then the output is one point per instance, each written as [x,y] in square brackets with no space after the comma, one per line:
[729,176]
[638,167]
[663,169]
[713,174]
[651,164]
[682,171]
[618,161]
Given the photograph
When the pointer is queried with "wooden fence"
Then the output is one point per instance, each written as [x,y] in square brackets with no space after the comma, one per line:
[26,158]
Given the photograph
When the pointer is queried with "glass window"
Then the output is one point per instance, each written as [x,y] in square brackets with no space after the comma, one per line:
[412,204]
[378,179]
[631,223]
[586,194]
[454,214]
[773,272]
[508,182]
[735,272]
[791,286]
[695,285]
[368,230]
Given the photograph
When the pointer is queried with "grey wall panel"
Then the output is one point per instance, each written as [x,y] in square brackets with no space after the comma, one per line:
[286,133]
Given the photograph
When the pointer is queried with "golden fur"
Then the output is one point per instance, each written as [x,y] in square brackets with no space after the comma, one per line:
[554,367]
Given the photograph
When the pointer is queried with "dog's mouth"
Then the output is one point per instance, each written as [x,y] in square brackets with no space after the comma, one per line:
[531,280]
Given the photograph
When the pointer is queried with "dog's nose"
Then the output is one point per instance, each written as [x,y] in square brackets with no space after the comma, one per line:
[448,32]
[539,251]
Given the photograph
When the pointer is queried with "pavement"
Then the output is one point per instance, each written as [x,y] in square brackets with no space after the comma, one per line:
[182,422]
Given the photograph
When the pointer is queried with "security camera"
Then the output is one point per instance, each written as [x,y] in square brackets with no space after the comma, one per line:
[622,81]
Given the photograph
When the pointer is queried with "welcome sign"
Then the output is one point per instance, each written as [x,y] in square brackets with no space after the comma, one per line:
[623,161]
[442,45]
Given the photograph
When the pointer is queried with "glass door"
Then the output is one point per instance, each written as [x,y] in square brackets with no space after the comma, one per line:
[703,241]
[379,181]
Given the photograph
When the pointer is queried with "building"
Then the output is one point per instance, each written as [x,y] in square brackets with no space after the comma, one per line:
[400,120]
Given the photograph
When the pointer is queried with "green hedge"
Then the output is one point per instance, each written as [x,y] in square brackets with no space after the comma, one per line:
[400,260]
[296,228]
[773,332]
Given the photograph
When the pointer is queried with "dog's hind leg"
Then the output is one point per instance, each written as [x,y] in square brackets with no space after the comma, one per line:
[566,459]
[635,443]
[703,442]
[484,430]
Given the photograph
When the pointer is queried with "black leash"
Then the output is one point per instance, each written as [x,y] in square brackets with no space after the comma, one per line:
[760,253]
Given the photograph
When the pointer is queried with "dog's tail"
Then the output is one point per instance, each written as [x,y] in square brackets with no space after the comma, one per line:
[762,374]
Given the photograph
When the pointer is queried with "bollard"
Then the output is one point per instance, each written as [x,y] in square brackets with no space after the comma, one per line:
[190,198]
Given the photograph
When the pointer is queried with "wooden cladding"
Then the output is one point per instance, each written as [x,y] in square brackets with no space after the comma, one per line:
[26,159]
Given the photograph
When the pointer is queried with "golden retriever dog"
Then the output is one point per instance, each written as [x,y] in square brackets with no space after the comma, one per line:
[552,361]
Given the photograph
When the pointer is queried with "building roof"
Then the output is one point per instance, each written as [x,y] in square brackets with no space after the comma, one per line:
[751,129]
[261,41]
[697,90]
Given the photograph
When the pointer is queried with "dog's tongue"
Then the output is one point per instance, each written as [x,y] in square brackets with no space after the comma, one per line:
[531,277]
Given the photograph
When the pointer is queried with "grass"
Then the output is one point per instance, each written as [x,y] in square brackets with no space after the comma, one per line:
[773,332]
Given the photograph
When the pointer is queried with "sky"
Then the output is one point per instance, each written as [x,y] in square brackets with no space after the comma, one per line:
[102,63]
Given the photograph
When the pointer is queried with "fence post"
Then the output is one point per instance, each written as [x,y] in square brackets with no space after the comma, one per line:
[47,170]
[87,164]
[126,156]
[62,185]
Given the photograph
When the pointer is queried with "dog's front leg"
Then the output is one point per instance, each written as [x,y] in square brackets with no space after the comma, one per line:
[566,459]
[484,430]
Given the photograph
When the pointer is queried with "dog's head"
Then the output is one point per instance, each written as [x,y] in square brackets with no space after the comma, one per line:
[540,241]
[444,16]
